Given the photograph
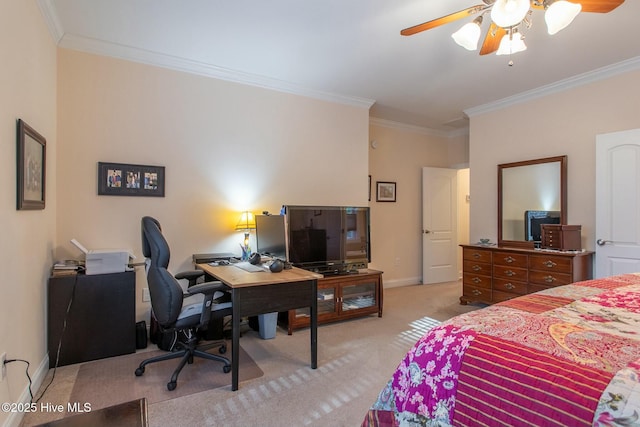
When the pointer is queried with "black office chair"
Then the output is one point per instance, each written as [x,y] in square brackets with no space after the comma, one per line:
[172,311]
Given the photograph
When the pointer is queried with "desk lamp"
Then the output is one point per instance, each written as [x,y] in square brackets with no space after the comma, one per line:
[246,223]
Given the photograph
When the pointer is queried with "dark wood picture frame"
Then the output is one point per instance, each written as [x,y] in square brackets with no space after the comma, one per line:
[122,179]
[385,191]
[31,168]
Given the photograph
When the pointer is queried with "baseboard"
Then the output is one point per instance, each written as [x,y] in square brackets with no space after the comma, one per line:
[401,282]
[15,418]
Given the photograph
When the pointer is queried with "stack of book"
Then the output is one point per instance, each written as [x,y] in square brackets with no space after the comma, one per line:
[67,267]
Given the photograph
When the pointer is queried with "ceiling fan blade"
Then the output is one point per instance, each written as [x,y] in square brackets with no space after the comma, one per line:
[599,6]
[595,6]
[492,39]
[444,20]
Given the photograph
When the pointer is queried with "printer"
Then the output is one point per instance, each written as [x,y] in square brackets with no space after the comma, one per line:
[103,261]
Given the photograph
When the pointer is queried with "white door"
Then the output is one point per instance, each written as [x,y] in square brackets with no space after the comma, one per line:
[618,203]
[439,225]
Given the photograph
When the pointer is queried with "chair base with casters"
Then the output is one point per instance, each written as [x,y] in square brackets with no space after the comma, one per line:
[186,352]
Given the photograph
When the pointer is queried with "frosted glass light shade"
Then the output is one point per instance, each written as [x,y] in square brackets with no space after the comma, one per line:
[511,44]
[507,13]
[468,36]
[560,14]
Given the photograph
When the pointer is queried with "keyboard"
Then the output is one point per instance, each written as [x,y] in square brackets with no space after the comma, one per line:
[251,268]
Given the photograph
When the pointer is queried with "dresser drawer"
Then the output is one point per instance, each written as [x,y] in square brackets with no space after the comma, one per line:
[510,286]
[476,280]
[512,273]
[469,266]
[549,278]
[473,294]
[510,259]
[480,255]
[557,264]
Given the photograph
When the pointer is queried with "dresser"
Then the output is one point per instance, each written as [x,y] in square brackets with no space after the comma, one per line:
[492,274]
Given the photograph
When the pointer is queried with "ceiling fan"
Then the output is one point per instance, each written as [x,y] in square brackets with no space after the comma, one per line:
[507,16]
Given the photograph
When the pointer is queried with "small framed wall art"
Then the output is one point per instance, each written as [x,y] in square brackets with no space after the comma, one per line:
[121,179]
[385,191]
[31,167]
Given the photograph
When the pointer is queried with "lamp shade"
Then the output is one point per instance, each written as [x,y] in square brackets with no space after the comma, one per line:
[560,14]
[511,43]
[507,13]
[246,222]
[468,36]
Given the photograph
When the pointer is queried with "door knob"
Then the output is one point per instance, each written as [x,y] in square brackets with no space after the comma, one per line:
[601,242]
[427,231]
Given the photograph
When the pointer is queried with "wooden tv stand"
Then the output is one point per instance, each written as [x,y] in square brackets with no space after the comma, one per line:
[340,297]
[492,274]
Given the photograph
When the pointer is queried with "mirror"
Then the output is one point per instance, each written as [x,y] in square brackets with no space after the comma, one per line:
[529,193]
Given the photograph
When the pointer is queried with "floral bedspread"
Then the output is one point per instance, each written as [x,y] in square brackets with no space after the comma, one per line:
[567,356]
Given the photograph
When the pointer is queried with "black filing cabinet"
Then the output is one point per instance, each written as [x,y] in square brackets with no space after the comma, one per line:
[100,322]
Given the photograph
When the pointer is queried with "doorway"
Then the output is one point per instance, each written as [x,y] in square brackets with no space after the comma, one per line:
[617,203]
[445,222]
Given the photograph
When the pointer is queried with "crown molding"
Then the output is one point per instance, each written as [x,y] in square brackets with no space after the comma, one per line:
[418,129]
[559,86]
[51,19]
[156,59]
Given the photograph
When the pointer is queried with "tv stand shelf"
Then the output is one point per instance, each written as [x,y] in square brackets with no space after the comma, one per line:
[340,297]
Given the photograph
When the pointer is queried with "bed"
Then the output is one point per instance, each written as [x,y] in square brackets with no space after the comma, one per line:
[566,356]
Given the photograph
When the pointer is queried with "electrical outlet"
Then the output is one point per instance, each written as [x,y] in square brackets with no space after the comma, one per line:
[3,367]
[145,295]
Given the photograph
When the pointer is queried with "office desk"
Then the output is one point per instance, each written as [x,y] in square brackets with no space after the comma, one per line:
[266,292]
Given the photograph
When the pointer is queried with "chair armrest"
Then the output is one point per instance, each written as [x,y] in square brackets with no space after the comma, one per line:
[208,288]
[190,275]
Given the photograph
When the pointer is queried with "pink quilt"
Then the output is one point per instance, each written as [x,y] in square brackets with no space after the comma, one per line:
[567,356]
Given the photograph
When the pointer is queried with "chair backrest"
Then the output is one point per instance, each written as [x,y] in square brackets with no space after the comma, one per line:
[165,291]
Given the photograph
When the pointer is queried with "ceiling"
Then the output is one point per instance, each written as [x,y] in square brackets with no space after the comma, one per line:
[350,51]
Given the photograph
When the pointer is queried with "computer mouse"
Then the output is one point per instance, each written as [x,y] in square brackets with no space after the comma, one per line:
[276,266]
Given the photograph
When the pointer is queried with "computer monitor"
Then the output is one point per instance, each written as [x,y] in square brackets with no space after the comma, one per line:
[271,237]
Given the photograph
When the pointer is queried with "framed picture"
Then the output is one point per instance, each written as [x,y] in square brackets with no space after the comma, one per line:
[385,191]
[121,179]
[31,167]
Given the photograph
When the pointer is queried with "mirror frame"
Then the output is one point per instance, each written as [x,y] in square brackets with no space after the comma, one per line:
[563,195]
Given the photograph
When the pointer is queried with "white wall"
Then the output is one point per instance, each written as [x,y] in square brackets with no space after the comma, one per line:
[566,122]
[226,148]
[28,88]
[396,228]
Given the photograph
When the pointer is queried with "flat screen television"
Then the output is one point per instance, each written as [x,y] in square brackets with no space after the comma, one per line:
[533,220]
[271,238]
[328,239]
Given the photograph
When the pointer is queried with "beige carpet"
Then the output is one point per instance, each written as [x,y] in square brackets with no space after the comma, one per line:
[117,373]
[355,360]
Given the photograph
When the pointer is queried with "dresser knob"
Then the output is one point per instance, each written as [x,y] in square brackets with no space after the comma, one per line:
[510,273]
[476,255]
[509,259]
[549,279]
[476,268]
[549,264]
[510,286]
[476,280]
[476,292]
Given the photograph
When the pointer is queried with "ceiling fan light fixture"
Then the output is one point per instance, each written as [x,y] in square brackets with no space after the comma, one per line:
[559,14]
[469,35]
[511,43]
[507,13]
